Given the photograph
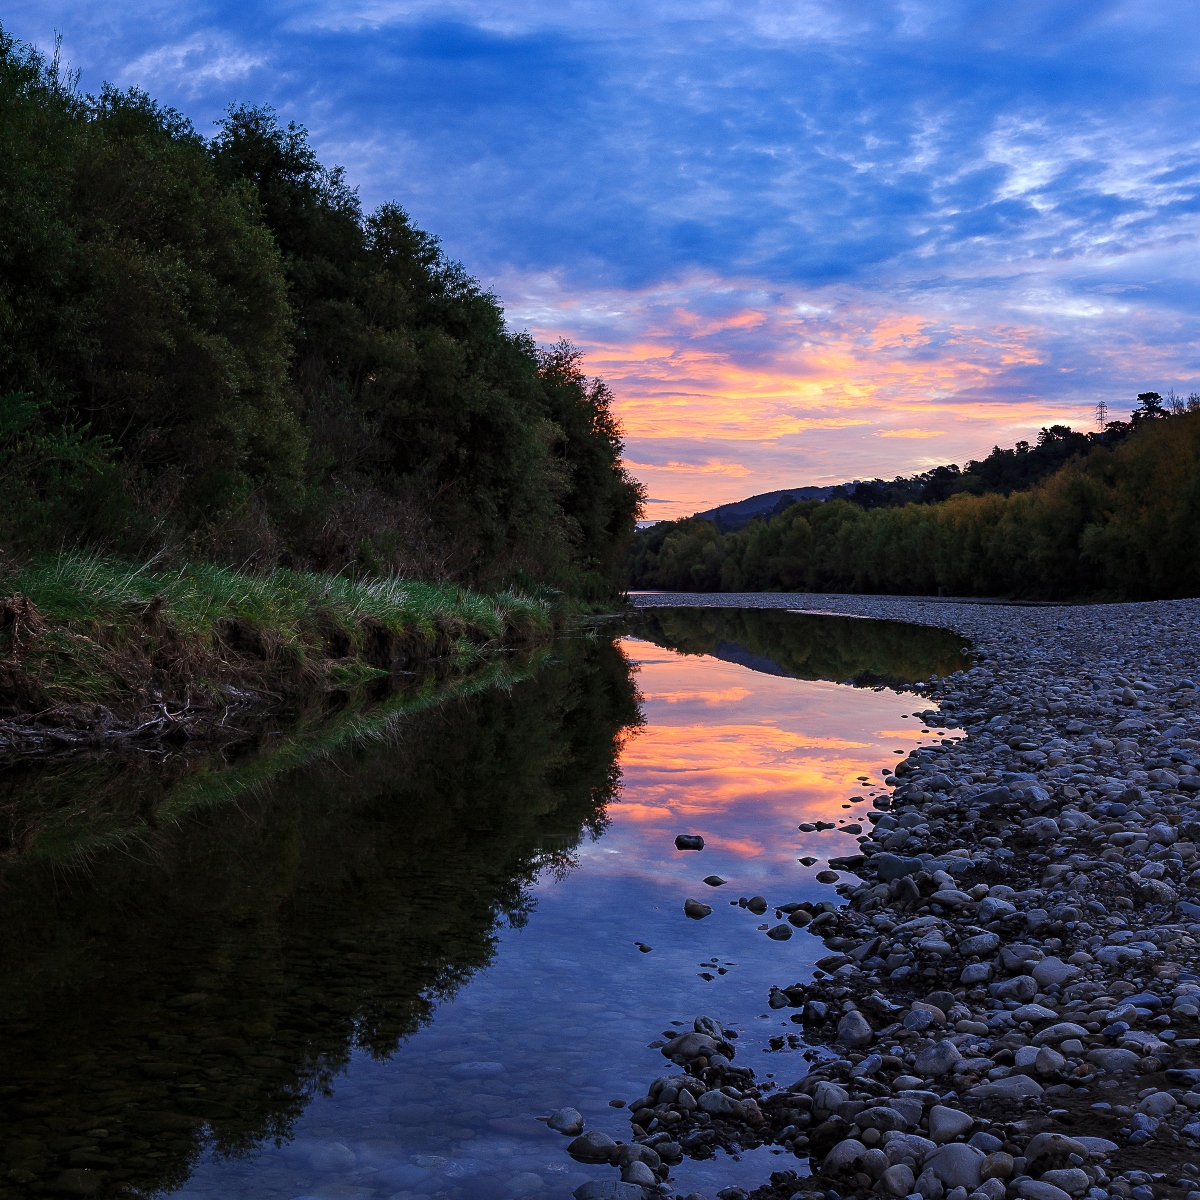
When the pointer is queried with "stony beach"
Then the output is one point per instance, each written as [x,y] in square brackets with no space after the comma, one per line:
[1007,1001]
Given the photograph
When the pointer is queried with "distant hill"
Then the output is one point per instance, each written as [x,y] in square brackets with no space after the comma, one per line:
[731,517]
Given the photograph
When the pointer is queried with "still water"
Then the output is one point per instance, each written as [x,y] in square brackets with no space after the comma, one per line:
[366,974]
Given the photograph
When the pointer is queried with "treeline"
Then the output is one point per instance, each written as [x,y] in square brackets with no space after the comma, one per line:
[1007,470]
[1120,522]
[207,349]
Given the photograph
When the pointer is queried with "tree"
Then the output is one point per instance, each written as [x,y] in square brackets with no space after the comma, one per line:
[1149,408]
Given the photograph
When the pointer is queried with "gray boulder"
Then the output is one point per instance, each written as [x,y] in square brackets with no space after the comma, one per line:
[1059,1032]
[1114,1060]
[1037,1189]
[895,866]
[979,943]
[608,1189]
[567,1120]
[688,1047]
[992,908]
[1015,1087]
[639,1173]
[592,1147]
[715,1102]
[945,1124]
[956,1165]
[1070,1179]
[1022,988]
[929,1186]
[1052,1145]
[1053,970]
[937,1059]
[898,1180]
[845,1156]
[883,1118]
[854,1031]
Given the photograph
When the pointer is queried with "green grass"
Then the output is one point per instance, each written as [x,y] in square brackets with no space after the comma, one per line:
[81,628]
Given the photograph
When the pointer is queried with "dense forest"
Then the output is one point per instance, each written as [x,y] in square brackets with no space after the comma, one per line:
[1121,519]
[209,351]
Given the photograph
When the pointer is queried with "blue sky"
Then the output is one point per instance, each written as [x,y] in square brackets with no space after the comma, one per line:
[803,241]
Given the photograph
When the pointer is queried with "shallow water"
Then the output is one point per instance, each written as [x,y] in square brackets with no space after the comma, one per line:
[371,979]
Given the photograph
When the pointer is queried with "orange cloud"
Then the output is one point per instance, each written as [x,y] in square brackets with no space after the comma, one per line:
[803,382]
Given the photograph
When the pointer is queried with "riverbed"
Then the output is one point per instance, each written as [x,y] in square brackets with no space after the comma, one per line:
[372,973]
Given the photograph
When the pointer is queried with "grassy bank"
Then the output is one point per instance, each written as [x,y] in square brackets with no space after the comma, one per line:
[103,646]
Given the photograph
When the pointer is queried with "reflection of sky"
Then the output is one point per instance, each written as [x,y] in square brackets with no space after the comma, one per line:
[806,240]
[566,1012]
[743,757]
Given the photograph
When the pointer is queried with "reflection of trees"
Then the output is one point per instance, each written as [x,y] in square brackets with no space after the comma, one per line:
[809,647]
[204,992]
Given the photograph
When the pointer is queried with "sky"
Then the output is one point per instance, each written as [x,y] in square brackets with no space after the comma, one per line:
[803,241]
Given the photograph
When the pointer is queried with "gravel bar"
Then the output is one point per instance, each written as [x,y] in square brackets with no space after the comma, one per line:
[1009,1003]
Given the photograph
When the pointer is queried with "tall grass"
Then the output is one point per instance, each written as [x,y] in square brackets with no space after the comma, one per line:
[85,628]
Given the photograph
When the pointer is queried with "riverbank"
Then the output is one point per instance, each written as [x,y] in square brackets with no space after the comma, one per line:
[1008,1006]
[96,651]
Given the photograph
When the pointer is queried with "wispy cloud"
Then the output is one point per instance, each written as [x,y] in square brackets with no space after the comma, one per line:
[789,232]
[194,66]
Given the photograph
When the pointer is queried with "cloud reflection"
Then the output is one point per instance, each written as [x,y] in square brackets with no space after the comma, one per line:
[743,758]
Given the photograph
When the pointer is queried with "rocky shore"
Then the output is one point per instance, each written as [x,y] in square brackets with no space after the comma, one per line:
[1008,1003]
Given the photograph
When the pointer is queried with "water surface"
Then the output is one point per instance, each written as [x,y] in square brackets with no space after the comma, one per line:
[369,974]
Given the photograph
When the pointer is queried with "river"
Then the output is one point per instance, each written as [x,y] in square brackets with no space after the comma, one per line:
[361,968]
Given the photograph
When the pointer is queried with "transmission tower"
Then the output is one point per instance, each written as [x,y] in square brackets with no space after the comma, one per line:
[1101,415]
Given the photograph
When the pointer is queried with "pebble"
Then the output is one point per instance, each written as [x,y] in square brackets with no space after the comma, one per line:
[855,1031]
[956,1165]
[566,1120]
[937,1059]
[1019,934]
[945,1124]
[689,841]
